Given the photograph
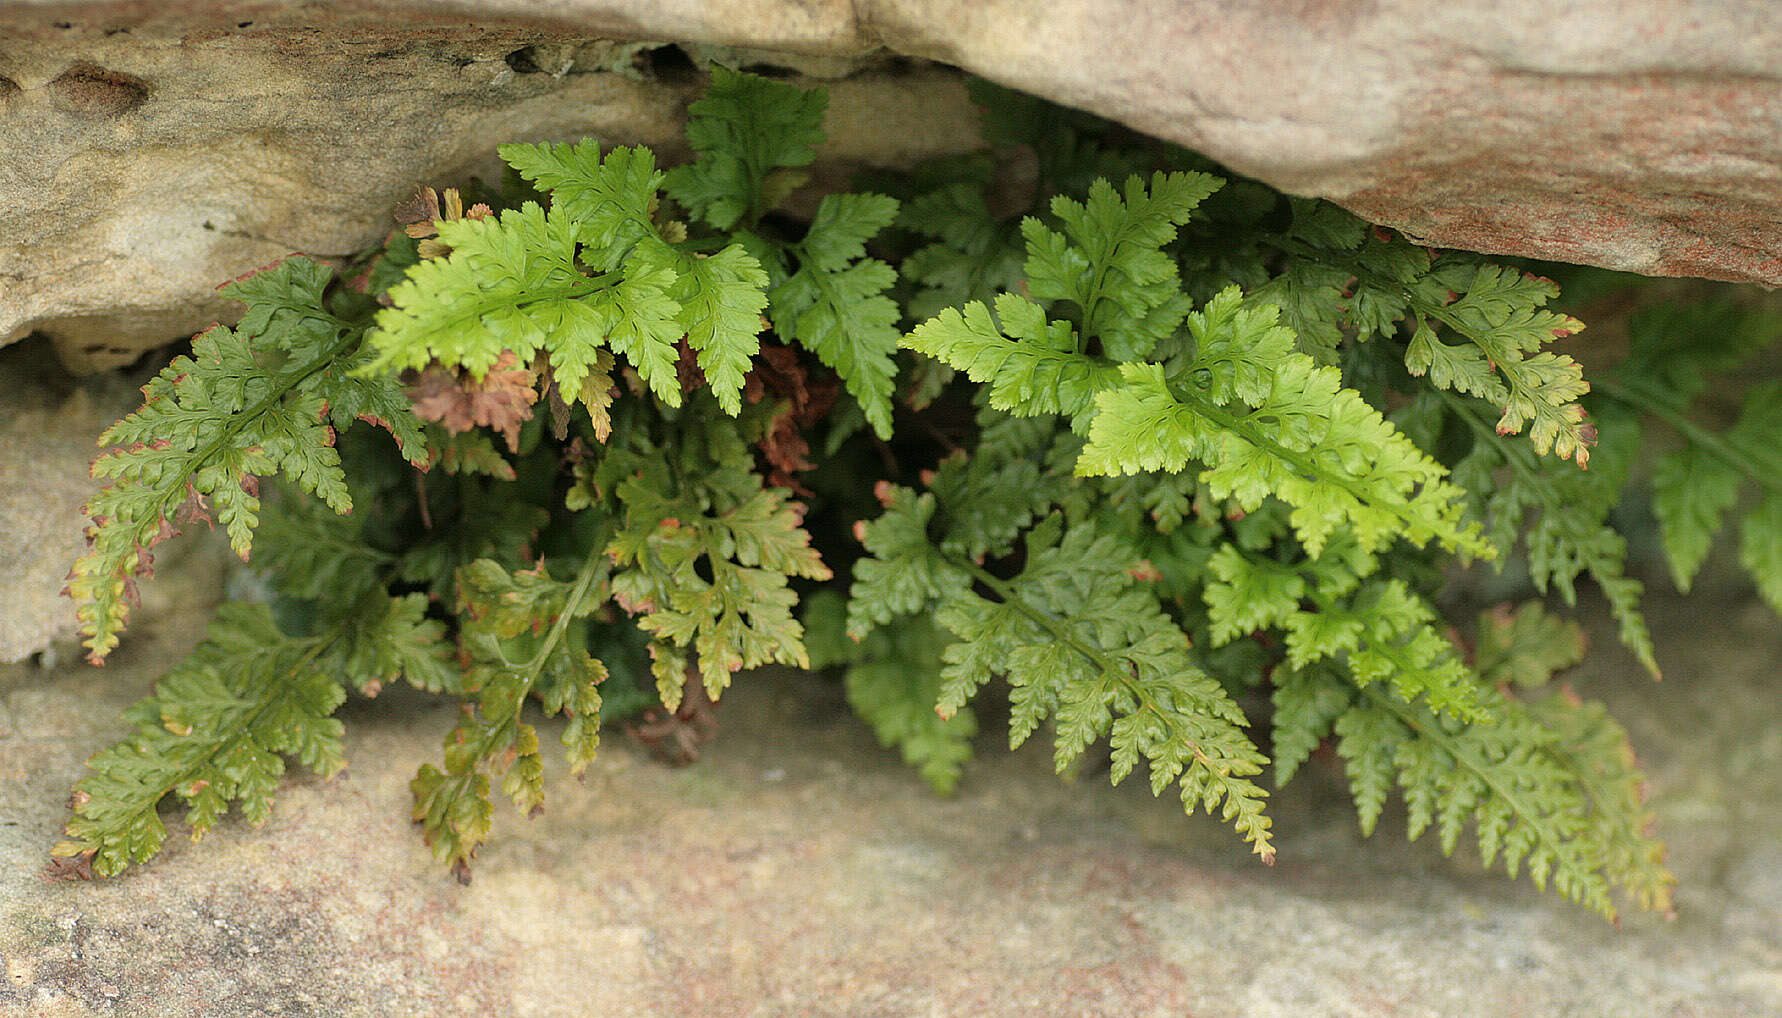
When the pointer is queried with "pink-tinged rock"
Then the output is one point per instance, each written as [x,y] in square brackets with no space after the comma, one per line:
[1644,136]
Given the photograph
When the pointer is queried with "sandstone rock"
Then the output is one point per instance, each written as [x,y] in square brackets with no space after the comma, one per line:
[154,150]
[47,425]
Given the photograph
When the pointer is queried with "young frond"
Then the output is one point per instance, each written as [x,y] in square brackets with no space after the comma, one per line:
[1109,259]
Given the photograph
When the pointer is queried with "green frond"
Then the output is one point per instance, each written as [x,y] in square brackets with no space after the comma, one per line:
[1266,421]
[749,132]
[973,257]
[1549,787]
[893,681]
[1378,630]
[1109,259]
[724,525]
[1500,312]
[245,404]
[1030,365]
[214,733]
[519,639]
[835,303]
[608,199]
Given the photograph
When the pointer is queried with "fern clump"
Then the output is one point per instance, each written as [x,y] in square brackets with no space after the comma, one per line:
[1178,464]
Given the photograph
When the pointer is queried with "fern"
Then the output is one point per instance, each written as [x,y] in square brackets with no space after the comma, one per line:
[1569,533]
[1267,421]
[1343,277]
[510,662]
[834,304]
[1151,478]
[751,135]
[212,734]
[1380,630]
[515,285]
[972,255]
[747,539]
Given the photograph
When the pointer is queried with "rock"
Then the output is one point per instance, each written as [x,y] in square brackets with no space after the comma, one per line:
[1633,135]
[48,422]
[798,869]
[153,150]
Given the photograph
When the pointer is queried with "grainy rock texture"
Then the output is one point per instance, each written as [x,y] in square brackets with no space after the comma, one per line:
[150,150]
[798,870]
[48,421]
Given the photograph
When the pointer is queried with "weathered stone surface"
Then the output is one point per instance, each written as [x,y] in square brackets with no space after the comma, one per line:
[798,870]
[151,150]
[1644,136]
[48,421]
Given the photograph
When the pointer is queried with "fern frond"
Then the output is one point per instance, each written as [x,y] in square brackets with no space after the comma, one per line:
[215,732]
[1691,492]
[1080,641]
[243,405]
[1031,366]
[1379,630]
[1570,534]
[519,637]
[835,303]
[1500,312]
[1109,260]
[973,257]
[1551,788]
[903,572]
[1526,647]
[721,298]
[1266,420]
[608,199]
[516,285]
[750,134]
[722,524]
